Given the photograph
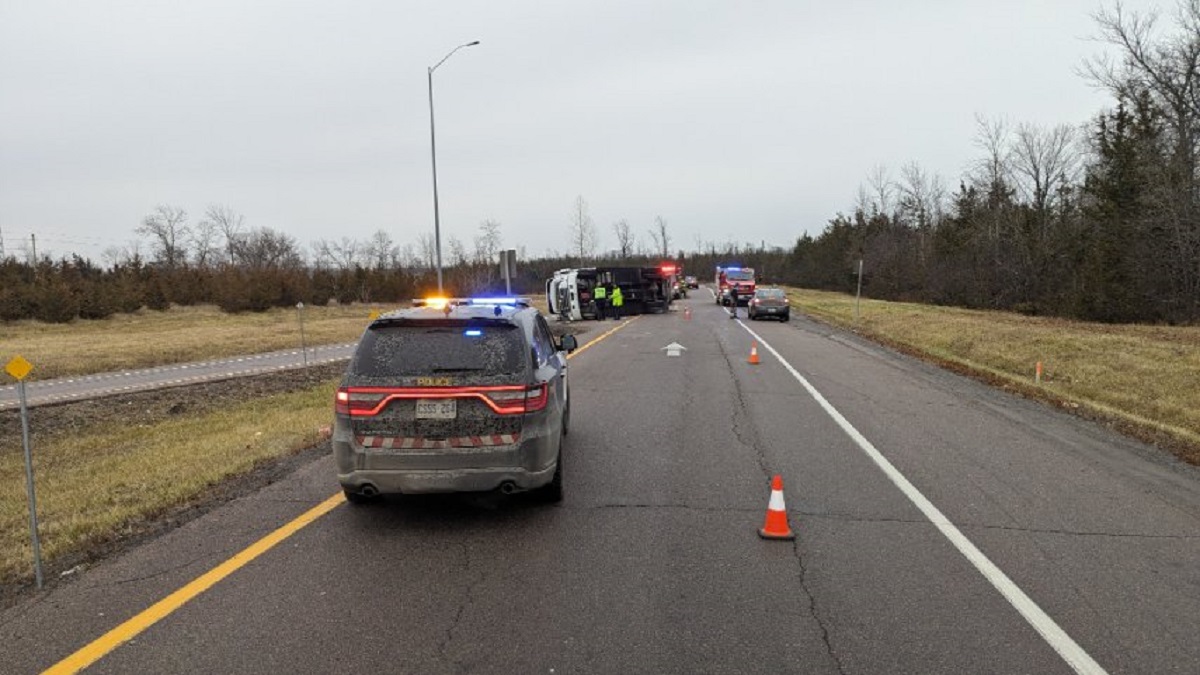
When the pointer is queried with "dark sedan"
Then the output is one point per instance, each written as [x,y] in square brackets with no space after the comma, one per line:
[771,302]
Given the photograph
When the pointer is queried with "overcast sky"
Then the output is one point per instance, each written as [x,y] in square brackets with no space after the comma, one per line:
[735,121]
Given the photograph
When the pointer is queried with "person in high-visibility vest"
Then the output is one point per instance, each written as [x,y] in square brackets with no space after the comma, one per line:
[600,297]
[618,301]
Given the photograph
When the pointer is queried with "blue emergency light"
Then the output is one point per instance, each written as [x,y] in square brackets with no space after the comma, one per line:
[493,301]
[472,332]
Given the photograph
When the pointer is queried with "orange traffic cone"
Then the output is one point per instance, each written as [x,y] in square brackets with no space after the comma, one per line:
[776,524]
[687,313]
[754,354]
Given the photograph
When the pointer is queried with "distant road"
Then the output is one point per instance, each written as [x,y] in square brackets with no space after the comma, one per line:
[123,382]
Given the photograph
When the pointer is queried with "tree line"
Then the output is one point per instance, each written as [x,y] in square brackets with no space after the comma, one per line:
[1100,222]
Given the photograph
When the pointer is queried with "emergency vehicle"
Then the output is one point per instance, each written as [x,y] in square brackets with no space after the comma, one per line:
[729,277]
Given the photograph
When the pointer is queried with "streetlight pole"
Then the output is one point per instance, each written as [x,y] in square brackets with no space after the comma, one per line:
[437,225]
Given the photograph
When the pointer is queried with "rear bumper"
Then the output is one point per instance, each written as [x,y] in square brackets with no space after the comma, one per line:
[448,480]
[527,464]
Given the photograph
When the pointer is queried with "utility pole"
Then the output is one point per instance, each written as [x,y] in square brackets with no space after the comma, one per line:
[1,244]
[33,243]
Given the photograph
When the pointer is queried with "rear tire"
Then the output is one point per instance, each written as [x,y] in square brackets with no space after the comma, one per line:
[552,492]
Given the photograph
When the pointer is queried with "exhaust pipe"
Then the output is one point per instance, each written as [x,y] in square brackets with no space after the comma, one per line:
[508,487]
[368,490]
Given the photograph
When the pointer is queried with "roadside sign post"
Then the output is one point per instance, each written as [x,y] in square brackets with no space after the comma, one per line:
[508,268]
[19,368]
[858,293]
[303,346]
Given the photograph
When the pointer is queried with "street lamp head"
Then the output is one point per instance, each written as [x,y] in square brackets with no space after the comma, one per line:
[472,44]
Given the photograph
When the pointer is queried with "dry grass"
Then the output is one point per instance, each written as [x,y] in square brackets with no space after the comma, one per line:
[1144,378]
[179,335]
[104,481]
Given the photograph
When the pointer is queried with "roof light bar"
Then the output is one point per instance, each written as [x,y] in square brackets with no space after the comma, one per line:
[445,303]
[513,301]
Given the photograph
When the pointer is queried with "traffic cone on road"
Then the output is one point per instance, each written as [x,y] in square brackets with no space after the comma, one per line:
[754,354]
[776,524]
[687,313]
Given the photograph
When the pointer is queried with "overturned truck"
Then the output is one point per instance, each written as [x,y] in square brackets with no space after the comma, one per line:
[569,293]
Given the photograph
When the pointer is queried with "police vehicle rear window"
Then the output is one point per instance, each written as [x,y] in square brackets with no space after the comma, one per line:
[408,351]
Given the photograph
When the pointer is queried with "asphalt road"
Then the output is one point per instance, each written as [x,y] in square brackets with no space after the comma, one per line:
[1053,544]
[144,379]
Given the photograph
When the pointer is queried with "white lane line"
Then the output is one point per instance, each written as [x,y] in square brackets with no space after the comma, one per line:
[1051,632]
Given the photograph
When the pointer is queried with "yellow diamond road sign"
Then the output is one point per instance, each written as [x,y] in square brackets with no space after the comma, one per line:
[18,367]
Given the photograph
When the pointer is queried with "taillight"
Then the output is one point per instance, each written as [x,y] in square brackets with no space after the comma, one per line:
[349,401]
[536,397]
[513,399]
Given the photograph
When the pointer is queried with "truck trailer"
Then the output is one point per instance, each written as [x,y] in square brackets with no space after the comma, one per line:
[570,292]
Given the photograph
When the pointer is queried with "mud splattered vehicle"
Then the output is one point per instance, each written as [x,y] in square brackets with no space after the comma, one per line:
[454,396]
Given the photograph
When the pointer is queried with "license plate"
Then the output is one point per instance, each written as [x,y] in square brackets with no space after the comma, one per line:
[437,408]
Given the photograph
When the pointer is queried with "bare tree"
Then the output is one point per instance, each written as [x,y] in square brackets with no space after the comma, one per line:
[624,238]
[993,171]
[458,252]
[882,189]
[167,227]
[583,230]
[264,248]
[922,197]
[228,222]
[409,257]
[1044,161]
[487,242]
[382,251]
[662,240]
[204,243]
[344,254]
[426,244]
[124,255]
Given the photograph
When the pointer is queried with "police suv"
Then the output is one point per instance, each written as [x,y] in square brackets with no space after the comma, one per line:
[454,395]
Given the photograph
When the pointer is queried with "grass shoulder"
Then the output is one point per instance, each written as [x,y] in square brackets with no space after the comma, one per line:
[1141,379]
[112,469]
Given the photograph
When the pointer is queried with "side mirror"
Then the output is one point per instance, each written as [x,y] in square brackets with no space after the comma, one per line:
[568,344]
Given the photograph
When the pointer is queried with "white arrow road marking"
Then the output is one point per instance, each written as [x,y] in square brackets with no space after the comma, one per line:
[674,349]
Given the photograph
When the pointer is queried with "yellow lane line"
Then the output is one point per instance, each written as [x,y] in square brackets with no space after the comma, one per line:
[114,638]
[103,645]
[603,335]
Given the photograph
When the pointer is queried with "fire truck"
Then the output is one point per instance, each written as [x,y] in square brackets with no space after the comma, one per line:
[729,277]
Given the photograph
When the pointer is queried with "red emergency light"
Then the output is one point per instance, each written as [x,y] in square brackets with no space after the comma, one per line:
[668,269]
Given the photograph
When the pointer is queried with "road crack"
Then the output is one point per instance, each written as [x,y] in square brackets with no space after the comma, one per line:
[742,431]
[802,577]
[159,573]
[468,599]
